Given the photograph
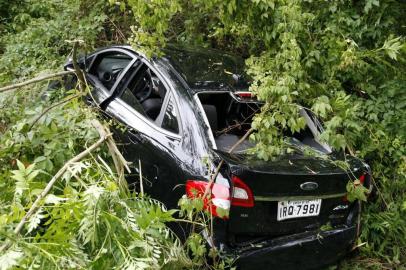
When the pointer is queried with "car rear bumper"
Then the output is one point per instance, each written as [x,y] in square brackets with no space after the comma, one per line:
[310,250]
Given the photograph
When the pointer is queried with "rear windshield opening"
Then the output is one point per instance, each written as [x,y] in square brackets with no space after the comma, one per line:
[230,118]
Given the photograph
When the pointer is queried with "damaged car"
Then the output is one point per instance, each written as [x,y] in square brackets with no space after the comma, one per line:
[192,105]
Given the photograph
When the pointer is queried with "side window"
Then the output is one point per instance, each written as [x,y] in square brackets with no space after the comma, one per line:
[129,98]
[108,66]
[145,92]
[170,119]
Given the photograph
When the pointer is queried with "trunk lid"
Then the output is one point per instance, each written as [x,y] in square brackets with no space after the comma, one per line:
[283,177]
[281,180]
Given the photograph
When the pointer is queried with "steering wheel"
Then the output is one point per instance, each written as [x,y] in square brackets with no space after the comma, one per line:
[146,91]
[109,78]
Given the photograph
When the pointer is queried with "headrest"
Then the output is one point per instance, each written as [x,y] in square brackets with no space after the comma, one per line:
[158,86]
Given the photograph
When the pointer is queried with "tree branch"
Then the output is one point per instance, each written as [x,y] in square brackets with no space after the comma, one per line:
[78,71]
[217,171]
[140,175]
[51,107]
[35,80]
[119,161]
[104,133]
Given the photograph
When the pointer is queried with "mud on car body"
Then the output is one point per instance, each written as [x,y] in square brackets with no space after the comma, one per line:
[192,105]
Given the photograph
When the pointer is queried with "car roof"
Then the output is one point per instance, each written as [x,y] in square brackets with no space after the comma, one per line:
[205,69]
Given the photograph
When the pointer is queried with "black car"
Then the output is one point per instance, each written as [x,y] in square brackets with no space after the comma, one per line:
[183,112]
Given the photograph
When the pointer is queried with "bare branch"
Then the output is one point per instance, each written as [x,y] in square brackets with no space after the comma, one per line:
[119,161]
[217,171]
[78,71]
[35,80]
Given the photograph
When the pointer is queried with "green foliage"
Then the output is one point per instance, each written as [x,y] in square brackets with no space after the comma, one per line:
[356,191]
[345,60]
[151,16]
[35,33]
[87,221]
[193,211]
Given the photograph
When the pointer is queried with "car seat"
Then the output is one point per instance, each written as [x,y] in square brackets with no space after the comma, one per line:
[152,106]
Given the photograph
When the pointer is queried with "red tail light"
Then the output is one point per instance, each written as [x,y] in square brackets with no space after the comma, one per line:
[242,194]
[219,196]
[362,179]
[243,94]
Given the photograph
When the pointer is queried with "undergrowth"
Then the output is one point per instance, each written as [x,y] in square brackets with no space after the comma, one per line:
[344,60]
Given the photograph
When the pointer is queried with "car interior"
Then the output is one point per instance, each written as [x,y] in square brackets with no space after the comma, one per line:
[143,91]
[230,119]
[107,68]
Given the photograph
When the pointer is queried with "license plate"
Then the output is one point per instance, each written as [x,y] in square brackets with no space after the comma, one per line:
[297,209]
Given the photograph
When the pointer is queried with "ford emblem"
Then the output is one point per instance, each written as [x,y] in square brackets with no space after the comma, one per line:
[309,186]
